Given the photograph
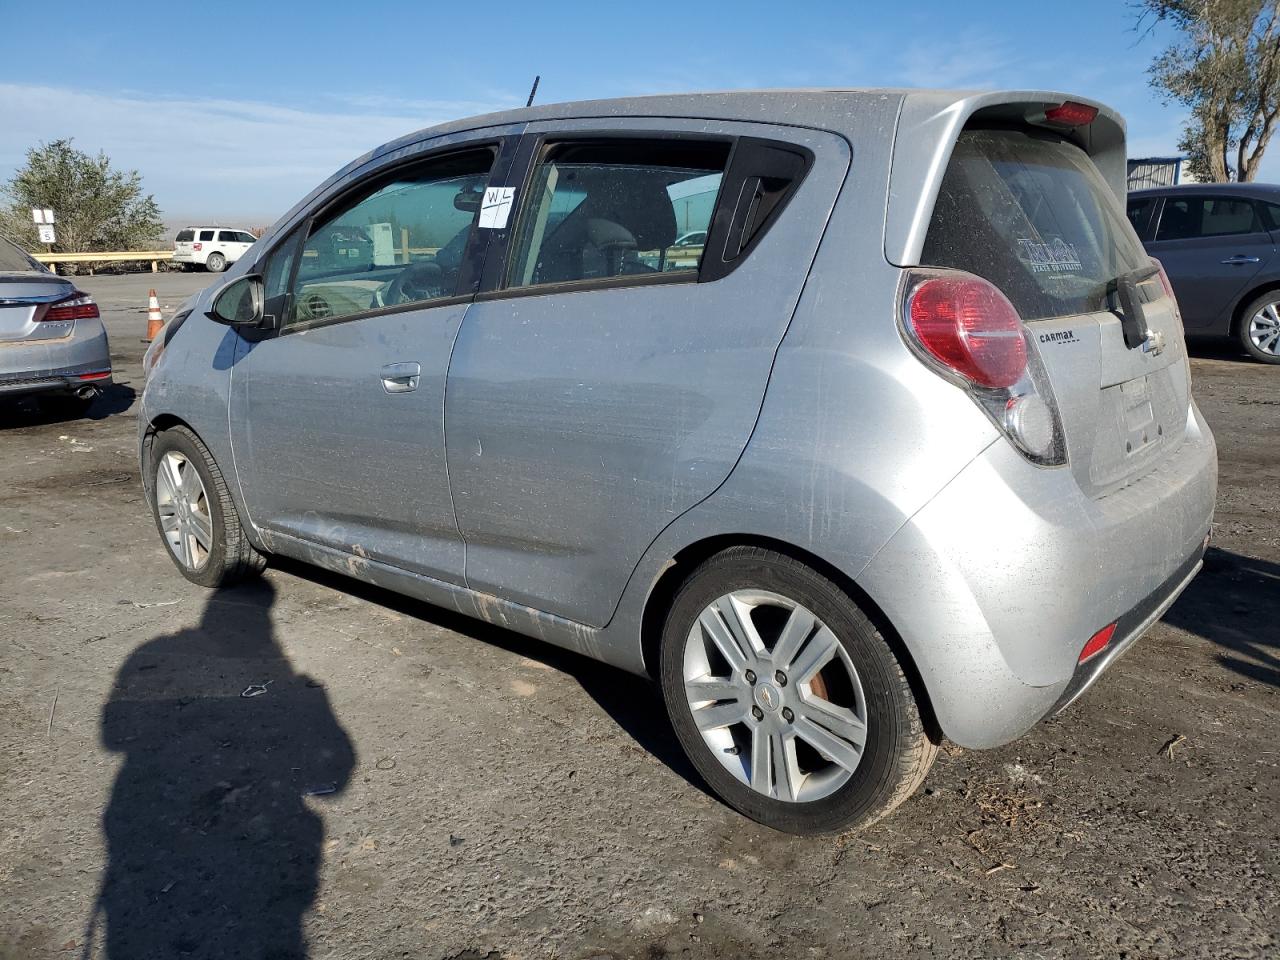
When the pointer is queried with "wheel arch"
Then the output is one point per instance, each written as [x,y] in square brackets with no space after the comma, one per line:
[1252,294]
[166,421]
[157,425]
[682,566]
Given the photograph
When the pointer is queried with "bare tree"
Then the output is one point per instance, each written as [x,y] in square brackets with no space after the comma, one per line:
[1224,66]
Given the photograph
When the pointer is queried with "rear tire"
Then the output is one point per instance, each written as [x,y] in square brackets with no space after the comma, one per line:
[195,515]
[1259,328]
[216,263]
[862,693]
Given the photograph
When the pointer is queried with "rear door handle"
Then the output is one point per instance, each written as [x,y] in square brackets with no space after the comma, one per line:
[1241,259]
[400,377]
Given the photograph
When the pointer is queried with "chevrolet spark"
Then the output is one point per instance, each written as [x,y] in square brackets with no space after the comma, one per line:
[902,448]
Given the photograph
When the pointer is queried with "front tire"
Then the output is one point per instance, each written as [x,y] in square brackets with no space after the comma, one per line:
[195,514]
[216,263]
[787,698]
[1259,328]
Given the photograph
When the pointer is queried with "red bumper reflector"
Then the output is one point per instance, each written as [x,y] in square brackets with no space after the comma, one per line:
[1097,643]
[100,375]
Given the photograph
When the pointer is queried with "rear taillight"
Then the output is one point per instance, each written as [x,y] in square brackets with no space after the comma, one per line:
[1168,287]
[78,306]
[967,330]
[969,327]
[197,246]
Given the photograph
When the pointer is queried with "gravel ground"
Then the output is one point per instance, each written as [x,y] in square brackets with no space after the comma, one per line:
[412,784]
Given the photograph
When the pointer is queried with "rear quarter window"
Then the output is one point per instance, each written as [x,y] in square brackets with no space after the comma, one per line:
[1031,213]
[13,257]
[185,236]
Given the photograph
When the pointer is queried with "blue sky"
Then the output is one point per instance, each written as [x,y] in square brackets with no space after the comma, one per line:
[234,111]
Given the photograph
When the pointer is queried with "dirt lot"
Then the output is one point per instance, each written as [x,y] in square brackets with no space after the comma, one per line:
[415,785]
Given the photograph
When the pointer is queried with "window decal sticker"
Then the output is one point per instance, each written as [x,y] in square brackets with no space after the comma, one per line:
[1050,256]
[496,207]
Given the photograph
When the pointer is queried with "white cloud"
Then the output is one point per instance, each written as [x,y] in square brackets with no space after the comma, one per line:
[970,60]
[207,157]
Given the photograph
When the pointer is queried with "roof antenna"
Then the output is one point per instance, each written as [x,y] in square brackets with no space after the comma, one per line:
[533,92]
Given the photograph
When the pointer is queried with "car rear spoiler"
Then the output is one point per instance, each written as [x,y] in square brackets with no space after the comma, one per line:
[929,123]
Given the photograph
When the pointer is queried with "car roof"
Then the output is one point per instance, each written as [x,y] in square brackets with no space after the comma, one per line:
[912,129]
[1259,191]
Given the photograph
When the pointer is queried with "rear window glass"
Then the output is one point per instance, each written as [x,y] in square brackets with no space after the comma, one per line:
[185,236]
[12,257]
[1031,214]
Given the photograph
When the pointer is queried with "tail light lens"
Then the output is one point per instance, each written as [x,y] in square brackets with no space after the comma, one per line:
[965,329]
[197,246]
[1168,287]
[78,306]
[969,327]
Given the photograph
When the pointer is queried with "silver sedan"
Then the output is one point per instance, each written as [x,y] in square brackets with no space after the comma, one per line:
[55,345]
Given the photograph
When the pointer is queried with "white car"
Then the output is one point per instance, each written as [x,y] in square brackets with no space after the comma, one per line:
[210,247]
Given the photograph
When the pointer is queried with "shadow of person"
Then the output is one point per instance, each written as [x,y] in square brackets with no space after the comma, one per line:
[212,849]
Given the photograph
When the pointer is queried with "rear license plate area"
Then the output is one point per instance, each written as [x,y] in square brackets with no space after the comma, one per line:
[1140,425]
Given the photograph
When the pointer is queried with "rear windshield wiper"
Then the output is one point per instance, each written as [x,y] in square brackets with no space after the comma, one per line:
[1133,321]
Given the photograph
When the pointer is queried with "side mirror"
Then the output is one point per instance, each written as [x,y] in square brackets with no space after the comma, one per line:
[239,303]
[468,201]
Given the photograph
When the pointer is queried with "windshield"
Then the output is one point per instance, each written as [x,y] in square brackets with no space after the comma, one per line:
[1031,213]
[12,258]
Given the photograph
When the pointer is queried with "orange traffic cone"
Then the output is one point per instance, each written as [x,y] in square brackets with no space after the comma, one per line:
[154,320]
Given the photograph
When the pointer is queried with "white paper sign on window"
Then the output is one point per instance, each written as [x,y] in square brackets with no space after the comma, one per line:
[495,209]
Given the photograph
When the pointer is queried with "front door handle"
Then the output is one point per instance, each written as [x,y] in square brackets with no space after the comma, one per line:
[1241,259]
[400,377]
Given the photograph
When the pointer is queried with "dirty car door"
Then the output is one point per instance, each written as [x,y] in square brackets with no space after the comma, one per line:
[338,422]
[607,380]
[1211,247]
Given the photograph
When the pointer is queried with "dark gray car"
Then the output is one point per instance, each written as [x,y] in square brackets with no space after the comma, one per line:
[52,341]
[1217,243]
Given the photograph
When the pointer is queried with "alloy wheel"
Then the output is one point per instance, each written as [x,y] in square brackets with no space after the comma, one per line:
[183,507]
[775,696]
[1264,329]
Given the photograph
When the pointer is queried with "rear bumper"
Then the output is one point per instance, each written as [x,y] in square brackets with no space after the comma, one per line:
[56,366]
[999,581]
[1132,626]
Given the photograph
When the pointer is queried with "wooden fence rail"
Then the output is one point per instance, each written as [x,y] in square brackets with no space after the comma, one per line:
[155,256]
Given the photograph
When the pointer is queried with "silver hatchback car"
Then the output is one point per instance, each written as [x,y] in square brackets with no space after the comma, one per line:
[904,448]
